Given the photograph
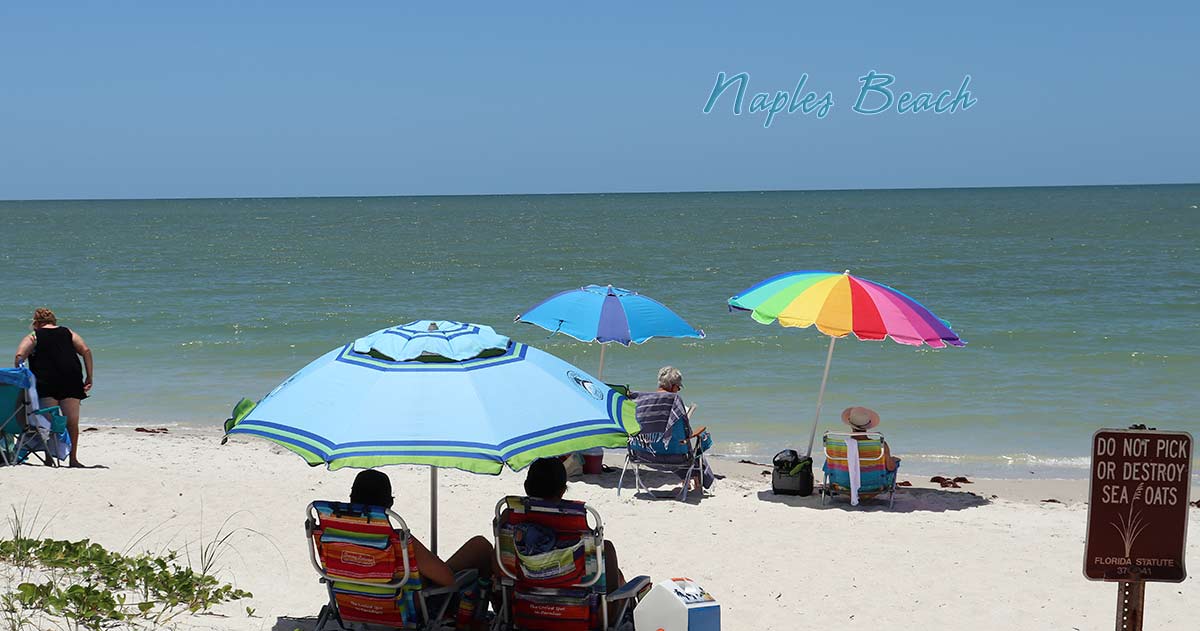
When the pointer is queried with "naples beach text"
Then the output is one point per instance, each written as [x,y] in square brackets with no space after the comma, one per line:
[876,95]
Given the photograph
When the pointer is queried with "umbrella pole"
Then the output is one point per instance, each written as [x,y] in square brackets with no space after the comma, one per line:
[433,510]
[812,436]
[600,375]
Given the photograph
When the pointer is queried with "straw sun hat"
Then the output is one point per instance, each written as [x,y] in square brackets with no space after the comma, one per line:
[860,418]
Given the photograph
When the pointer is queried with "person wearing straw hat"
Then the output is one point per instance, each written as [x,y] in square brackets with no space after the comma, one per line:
[863,420]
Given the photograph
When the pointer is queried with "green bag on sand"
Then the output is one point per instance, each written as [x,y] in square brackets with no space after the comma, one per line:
[240,411]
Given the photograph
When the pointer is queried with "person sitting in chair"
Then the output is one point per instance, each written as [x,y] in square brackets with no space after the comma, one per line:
[547,480]
[863,420]
[663,408]
[374,488]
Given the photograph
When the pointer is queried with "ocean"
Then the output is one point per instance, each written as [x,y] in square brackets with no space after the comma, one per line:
[1079,305]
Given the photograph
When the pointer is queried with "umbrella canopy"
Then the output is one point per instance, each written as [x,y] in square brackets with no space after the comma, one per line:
[841,304]
[597,313]
[459,396]
[439,393]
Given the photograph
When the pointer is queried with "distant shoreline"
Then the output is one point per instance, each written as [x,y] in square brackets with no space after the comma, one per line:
[598,193]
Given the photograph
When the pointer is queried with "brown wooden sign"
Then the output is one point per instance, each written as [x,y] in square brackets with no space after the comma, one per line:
[1138,507]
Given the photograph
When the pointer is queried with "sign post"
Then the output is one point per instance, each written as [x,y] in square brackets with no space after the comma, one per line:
[1137,514]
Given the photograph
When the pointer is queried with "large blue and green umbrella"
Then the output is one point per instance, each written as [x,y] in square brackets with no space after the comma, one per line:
[444,394]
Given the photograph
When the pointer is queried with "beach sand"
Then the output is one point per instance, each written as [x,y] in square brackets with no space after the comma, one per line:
[991,555]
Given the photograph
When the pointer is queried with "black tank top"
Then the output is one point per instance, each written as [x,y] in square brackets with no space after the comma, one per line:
[54,360]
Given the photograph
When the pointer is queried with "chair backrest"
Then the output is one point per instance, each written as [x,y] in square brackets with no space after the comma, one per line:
[365,554]
[872,469]
[654,411]
[552,560]
[12,417]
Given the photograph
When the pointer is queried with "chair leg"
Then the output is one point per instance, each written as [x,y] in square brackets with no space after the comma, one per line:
[621,480]
[687,481]
[322,619]
[637,478]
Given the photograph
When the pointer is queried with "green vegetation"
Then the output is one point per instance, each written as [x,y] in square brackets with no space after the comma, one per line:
[79,585]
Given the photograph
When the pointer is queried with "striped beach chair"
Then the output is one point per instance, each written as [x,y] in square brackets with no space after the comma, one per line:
[560,587]
[874,478]
[364,555]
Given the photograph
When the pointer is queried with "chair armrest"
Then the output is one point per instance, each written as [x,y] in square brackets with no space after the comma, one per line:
[630,589]
[696,432]
[462,579]
[54,408]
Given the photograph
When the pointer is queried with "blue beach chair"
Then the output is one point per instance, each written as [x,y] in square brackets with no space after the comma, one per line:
[874,478]
[18,436]
[663,444]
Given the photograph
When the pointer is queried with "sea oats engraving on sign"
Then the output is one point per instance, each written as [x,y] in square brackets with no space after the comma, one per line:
[1130,526]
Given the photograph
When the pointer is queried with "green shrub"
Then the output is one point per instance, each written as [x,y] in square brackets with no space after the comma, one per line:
[93,588]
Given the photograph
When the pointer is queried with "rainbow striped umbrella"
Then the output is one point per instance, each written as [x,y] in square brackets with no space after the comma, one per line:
[841,304]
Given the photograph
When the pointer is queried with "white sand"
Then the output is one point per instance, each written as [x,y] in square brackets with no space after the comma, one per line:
[942,559]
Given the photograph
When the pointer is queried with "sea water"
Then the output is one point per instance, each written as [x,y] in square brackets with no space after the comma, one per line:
[1079,305]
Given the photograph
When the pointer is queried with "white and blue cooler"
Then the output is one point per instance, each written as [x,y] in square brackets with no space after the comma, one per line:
[678,605]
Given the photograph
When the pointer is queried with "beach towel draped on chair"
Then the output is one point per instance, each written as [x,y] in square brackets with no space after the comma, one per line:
[364,555]
[873,475]
[666,441]
[552,567]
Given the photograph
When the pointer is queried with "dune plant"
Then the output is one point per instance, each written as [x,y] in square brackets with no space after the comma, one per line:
[81,585]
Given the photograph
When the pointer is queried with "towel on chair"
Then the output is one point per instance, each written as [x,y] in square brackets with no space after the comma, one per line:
[852,468]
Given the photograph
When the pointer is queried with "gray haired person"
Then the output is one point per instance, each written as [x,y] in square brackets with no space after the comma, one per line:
[670,379]
[657,412]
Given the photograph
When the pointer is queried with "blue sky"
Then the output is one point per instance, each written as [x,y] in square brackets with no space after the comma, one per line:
[144,100]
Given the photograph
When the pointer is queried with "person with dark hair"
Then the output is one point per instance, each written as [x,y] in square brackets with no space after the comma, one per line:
[547,480]
[374,488]
[53,352]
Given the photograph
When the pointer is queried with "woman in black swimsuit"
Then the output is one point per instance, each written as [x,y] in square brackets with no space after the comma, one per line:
[54,353]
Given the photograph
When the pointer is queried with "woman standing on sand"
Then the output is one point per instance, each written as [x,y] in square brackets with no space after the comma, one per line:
[54,353]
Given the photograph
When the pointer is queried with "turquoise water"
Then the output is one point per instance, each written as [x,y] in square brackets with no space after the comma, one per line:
[1079,305]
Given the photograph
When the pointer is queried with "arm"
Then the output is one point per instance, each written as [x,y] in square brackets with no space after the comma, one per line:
[430,566]
[24,349]
[82,349]
[889,463]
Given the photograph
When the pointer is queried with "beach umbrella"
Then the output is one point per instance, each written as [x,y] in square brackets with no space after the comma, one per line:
[443,394]
[841,304]
[604,314]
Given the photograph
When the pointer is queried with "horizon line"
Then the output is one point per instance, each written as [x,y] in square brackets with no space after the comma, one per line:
[581,193]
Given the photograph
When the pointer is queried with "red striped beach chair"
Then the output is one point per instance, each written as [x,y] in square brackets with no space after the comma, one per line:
[364,555]
[560,586]
[874,478]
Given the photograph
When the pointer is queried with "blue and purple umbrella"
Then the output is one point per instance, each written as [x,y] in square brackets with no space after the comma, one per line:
[604,314]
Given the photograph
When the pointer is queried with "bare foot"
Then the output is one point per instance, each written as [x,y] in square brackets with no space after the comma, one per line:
[75,464]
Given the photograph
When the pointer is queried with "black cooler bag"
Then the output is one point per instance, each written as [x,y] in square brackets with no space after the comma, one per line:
[792,474]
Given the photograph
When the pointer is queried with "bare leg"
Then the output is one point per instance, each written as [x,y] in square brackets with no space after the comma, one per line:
[475,554]
[70,408]
[613,579]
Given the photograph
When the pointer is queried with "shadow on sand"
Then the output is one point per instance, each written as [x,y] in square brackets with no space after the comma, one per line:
[908,500]
[663,485]
[287,623]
